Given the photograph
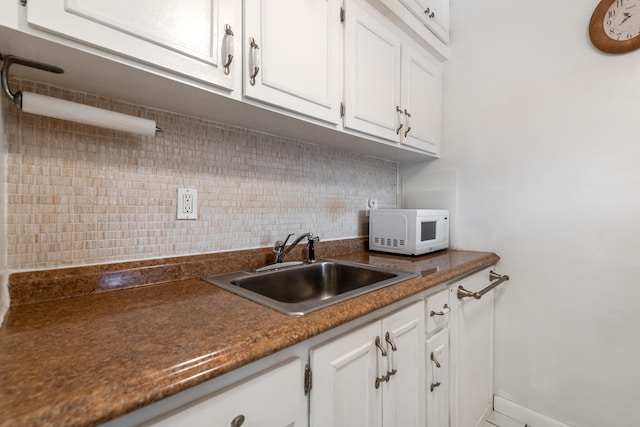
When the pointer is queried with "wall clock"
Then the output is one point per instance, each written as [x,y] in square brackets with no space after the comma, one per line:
[615,26]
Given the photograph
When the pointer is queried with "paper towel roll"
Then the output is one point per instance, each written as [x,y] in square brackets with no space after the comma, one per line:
[67,110]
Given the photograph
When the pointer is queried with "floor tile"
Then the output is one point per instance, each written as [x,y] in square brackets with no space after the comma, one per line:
[499,420]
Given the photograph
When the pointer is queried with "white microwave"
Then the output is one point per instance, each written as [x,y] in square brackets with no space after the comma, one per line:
[408,231]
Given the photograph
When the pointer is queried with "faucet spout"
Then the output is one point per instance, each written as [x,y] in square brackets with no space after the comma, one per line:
[281,251]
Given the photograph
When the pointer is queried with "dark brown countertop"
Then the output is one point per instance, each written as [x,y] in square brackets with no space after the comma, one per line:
[83,360]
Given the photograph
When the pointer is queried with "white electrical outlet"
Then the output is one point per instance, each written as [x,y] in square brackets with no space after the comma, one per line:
[187,203]
[371,204]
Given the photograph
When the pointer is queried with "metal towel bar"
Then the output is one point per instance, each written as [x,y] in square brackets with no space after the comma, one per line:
[463,293]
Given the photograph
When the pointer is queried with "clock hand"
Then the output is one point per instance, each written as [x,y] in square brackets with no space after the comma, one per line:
[627,15]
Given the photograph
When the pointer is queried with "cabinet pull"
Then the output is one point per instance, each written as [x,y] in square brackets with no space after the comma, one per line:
[254,59]
[393,356]
[463,293]
[400,112]
[237,421]
[406,132]
[435,361]
[445,310]
[229,38]
[383,374]
[429,13]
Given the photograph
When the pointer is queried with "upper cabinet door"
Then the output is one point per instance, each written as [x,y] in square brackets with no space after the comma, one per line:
[190,38]
[293,56]
[372,74]
[433,13]
[421,96]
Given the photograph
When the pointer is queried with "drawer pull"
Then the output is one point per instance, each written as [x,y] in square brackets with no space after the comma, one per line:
[445,310]
[237,421]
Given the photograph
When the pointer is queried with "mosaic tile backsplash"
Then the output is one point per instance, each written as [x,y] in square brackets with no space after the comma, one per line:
[81,195]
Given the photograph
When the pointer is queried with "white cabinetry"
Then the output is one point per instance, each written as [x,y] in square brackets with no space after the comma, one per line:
[274,398]
[438,384]
[433,13]
[392,87]
[472,338]
[422,99]
[437,359]
[190,38]
[293,56]
[354,383]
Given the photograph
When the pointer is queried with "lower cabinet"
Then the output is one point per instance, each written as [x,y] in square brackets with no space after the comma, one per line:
[472,338]
[429,363]
[270,399]
[438,385]
[437,359]
[372,376]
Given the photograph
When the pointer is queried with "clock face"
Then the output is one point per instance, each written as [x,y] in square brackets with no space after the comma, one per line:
[615,26]
[622,20]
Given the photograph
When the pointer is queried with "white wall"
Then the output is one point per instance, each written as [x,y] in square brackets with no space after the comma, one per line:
[542,133]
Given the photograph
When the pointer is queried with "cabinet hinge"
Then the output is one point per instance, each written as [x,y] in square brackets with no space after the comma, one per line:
[341,109]
[308,380]
[342,14]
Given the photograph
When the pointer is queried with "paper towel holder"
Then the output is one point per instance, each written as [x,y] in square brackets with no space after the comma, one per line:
[8,60]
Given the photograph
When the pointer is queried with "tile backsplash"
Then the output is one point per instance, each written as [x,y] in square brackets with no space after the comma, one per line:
[82,195]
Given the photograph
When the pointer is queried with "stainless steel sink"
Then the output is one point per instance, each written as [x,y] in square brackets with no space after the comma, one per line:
[300,289]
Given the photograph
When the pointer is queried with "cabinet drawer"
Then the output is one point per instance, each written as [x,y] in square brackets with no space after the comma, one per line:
[273,398]
[437,310]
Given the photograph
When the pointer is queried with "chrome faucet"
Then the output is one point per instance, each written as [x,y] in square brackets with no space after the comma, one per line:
[280,251]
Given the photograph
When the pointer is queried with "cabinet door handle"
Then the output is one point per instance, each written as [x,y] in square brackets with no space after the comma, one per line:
[438,366]
[393,356]
[254,61]
[383,374]
[429,13]
[445,310]
[228,34]
[406,132]
[400,112]
[237,421]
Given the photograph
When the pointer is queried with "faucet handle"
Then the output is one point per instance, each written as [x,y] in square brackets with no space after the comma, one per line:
[286,240]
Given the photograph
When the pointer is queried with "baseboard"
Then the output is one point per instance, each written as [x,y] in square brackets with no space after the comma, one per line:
[522,414]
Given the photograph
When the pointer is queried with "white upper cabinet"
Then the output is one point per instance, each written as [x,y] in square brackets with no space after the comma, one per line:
[392,88]
[433,13]
[194,39]
[372,74]
[422,100]
[293,56]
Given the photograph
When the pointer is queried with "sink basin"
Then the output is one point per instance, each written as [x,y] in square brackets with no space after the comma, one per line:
[300,289]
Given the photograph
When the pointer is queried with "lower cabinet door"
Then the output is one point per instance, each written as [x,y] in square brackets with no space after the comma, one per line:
[344,373]
[404,393]
[471,323]
[438,379]
[373,376]
[274,398]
